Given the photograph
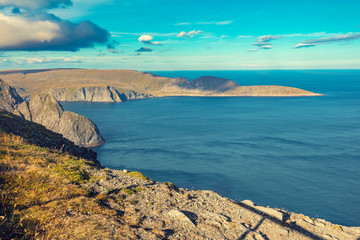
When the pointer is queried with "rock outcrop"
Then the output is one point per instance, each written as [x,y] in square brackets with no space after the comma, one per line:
[9,98]
[38,135]
[47,111]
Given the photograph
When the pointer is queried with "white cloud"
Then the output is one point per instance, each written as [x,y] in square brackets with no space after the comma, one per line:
[26,25]
[189,34]
[224,22]
[182,24]
[264,42]
[216,22]
[304,45]
[326,40]
[47,32]
[206,23]
[145,38]
[267,38]
[244,36]
[44,60]
[17,30]
[266,47]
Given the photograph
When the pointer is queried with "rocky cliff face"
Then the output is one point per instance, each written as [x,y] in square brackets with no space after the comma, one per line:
[9,98]
[47,111]
[96,94]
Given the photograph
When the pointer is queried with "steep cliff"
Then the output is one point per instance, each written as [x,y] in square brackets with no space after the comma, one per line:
[96,94]
[47,111]
[9,98]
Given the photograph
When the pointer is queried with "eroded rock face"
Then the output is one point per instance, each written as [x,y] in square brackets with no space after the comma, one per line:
[9,98]
[47,111]
[96,94]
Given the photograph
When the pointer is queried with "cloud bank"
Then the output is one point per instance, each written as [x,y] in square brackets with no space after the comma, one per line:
[326,40]
[39,31]
[189,34]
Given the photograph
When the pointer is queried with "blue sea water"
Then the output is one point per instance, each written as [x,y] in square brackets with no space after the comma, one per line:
[301,154]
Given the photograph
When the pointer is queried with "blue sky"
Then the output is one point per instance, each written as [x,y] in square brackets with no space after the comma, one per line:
[180,34]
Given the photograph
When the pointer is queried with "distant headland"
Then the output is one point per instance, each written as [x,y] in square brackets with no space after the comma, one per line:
[122,85]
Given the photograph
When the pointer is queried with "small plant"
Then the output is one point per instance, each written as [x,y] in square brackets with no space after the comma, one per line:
[74,170]
[170,184]
[128,191]
[132,190]
[102,198]
[137,175]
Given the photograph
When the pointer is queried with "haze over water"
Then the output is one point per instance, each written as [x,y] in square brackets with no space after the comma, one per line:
[297,153]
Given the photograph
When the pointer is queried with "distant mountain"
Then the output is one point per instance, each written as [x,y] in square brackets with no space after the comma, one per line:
[121,85]
[47,111]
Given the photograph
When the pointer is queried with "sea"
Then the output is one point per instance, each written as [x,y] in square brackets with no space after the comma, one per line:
[301,154]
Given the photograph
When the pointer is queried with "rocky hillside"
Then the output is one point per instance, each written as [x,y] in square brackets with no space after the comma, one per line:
[121,85]
[46,194]
[47,111]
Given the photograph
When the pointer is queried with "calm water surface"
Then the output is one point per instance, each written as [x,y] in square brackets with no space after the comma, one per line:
[301,154]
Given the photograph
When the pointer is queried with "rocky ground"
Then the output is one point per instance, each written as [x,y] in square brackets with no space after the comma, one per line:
[155,210]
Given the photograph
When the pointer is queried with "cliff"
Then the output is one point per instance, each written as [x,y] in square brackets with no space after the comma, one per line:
[122,85]
[47,111]
[9,98]
[46,194]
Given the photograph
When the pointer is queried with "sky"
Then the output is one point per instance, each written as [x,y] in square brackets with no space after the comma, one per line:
[180,34]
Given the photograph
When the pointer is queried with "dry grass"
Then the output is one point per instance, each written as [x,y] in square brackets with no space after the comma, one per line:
[41,196]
